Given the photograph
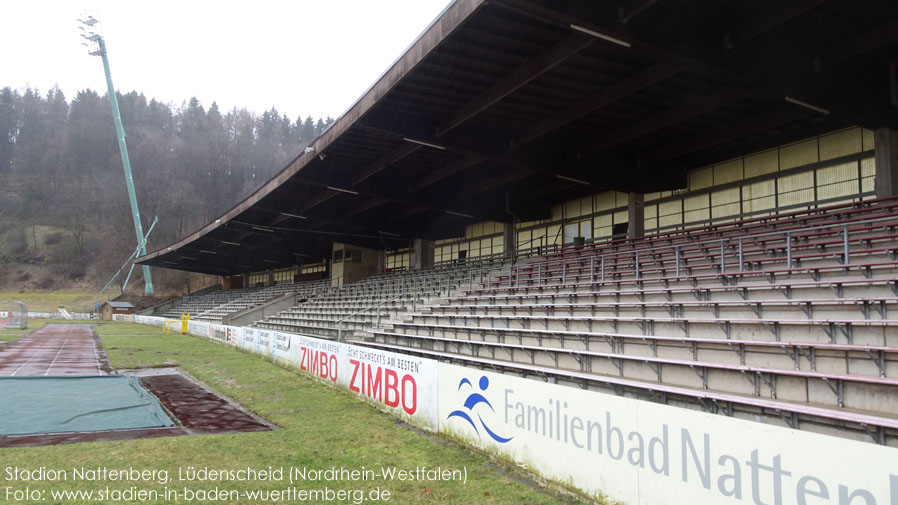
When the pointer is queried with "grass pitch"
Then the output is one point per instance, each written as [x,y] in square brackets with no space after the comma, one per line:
[50,301]
[318,428]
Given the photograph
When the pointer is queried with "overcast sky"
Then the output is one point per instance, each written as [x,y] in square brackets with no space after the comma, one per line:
[301,56]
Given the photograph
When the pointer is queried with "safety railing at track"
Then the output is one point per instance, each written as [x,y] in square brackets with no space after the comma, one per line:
[598,267]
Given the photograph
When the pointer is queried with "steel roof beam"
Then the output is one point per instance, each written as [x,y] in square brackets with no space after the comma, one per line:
[660,121]
[628,11]
[447,170]
[393,156]
[617,91]
[742,128]
[534,68]
[764,20]
[711,63]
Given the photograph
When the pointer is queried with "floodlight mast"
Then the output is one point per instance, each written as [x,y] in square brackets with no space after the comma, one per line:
[123,146]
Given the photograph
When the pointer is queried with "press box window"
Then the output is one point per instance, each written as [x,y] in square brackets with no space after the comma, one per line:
[353,256]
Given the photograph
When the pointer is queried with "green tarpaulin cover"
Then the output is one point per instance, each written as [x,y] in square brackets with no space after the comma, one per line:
[31,405]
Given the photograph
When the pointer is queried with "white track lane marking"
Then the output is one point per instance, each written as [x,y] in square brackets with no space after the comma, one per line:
[36,352]
[64,342]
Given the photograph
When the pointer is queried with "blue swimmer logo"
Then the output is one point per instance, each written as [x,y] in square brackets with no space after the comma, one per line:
[472,401]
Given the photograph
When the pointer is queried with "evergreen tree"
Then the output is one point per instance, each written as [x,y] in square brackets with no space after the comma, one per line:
[8,129]
[308,130]
[60,167]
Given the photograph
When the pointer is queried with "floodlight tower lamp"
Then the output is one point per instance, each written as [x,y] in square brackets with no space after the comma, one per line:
[92,36]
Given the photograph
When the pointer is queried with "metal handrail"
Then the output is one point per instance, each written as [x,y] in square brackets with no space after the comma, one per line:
[476,260]
[416,288]
[558,234]
[756,217]
[724,242]
[750,236]
[479,272]
[366,309]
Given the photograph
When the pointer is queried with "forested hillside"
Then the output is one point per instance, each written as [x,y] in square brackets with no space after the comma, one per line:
[64,213]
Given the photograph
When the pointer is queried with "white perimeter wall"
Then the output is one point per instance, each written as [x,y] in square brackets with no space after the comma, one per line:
[626,450]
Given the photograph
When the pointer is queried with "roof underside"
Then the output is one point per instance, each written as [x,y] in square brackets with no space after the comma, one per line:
[529,105]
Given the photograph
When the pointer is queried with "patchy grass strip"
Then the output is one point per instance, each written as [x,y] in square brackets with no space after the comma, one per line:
[318,428]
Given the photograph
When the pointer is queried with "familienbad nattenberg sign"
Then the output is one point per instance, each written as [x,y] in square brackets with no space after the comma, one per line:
[630,451]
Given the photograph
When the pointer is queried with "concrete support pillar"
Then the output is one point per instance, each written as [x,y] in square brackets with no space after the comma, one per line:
[246,280]
[350,263]
[635,215]
[381,261]
[886,149]
[422,254]
[510,239]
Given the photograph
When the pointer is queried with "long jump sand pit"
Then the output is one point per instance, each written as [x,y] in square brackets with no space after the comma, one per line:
[60,389]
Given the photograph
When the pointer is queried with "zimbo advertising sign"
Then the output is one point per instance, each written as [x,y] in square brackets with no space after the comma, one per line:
[403,384]
[385,377]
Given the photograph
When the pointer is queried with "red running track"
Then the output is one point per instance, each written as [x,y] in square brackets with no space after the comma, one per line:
[54,350]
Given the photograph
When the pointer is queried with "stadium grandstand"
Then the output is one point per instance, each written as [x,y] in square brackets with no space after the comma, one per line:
[692,203]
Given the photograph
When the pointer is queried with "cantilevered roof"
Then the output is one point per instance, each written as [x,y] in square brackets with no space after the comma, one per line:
[501,108]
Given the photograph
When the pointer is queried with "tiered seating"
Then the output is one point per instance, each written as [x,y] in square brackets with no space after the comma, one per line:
[362,305]
[790,320]
[196,304]
[213,306]
[254,297]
